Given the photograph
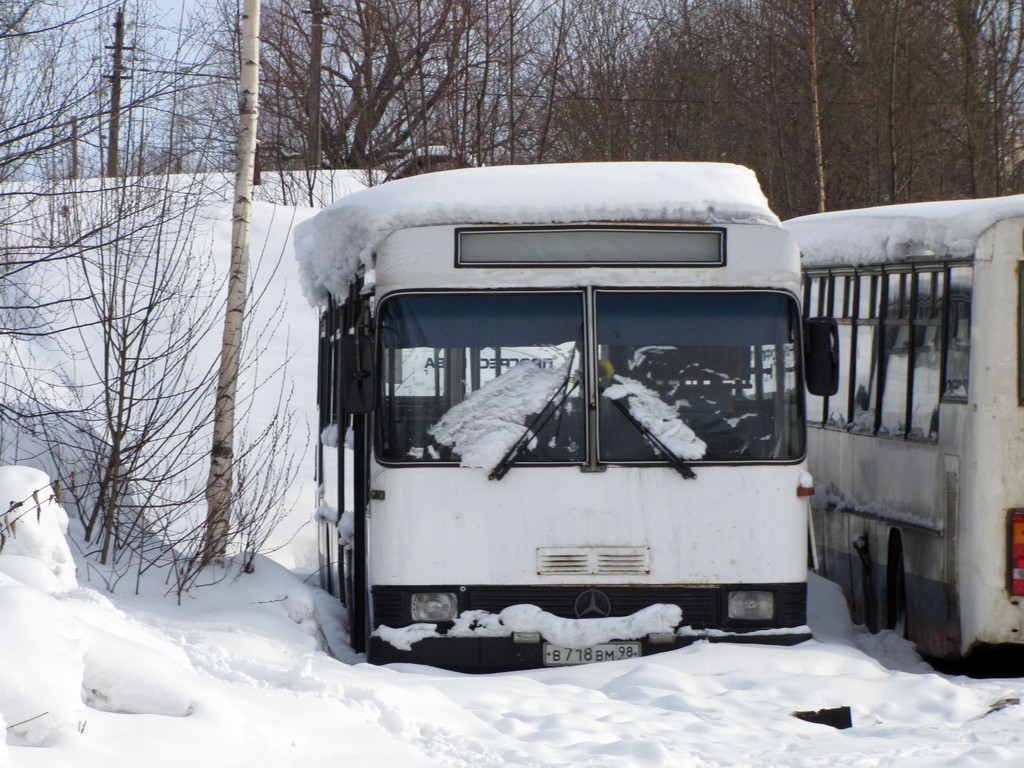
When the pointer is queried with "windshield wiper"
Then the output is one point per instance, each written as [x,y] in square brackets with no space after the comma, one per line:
[535,425]
[677,463]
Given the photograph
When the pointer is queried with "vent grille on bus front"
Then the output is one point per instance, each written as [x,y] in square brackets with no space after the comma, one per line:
[588,561]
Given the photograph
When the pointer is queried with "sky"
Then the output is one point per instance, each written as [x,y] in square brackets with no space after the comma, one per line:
[255,670]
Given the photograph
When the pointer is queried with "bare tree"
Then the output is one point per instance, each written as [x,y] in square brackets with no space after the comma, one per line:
[105,308]
[387,65]
[46,88]
[990,36]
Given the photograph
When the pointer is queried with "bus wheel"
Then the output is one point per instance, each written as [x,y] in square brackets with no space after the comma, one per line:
[896,598]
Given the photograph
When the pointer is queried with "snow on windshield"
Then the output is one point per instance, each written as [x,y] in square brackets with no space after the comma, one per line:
[657,417]
[484,427]
[890,232]
[339,240]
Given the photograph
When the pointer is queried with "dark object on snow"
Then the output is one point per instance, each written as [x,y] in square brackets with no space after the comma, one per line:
[997,706]
[837,717]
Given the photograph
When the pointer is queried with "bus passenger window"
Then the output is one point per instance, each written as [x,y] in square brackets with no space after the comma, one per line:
[924,418]
[865,357]
[864,380]
[895,356]
[958,333]
[896,350]
[924,415]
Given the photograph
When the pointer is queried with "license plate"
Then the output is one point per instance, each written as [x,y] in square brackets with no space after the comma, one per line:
[556,655]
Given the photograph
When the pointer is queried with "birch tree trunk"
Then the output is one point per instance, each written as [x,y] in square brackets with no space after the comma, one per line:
[219,484]
[819,150]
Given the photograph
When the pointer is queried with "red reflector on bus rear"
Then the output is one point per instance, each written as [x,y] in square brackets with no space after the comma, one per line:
[1017,552]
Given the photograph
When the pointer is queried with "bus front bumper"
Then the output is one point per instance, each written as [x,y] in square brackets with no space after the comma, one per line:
[502,654]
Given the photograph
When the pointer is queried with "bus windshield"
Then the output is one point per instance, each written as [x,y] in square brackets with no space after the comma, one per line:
[725,362]
[475,378]
[466,374]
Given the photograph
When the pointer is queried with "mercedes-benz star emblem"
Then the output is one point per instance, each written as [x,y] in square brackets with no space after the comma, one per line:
[593,604]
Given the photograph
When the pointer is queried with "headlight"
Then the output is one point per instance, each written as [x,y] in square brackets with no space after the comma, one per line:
[434,606]
[751,604]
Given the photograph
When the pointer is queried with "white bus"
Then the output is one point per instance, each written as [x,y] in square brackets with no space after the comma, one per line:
[919,457]
[574,398]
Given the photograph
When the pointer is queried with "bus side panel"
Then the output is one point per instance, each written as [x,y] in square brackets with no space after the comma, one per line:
[941,508]
[857,518]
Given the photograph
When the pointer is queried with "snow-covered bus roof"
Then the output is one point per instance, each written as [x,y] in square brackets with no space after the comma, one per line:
[333,245]
[888,233]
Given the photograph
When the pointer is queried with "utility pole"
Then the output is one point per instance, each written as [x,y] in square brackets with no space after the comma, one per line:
[113,149]
[222,455]
[316,45]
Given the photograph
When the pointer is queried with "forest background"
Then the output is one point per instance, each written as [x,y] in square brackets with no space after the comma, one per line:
[834,103]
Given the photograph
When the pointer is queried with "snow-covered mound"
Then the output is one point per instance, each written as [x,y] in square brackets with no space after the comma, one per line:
[32,527]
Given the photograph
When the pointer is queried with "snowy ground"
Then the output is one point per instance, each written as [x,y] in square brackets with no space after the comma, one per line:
[239,675]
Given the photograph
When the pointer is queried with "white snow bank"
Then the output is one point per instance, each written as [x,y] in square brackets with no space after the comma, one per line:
[343,237]
[827,614]
[886,233]
[77,664]
[42,669]
[32,525]
[72,652]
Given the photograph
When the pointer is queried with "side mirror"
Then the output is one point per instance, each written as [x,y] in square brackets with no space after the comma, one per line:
[821,356]
[358,376]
